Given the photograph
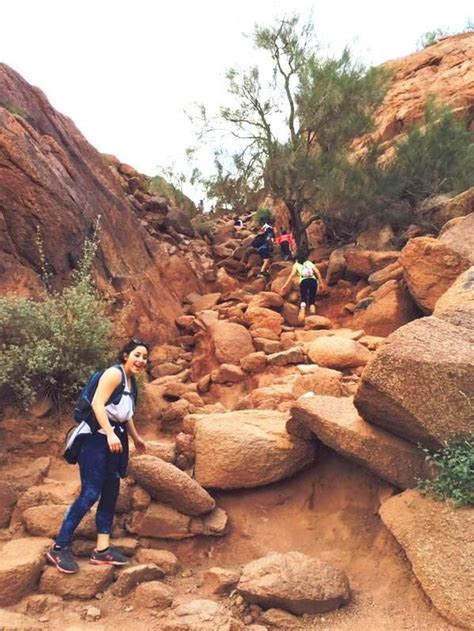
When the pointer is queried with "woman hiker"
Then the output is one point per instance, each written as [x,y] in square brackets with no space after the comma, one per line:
[103,458]
[309,277]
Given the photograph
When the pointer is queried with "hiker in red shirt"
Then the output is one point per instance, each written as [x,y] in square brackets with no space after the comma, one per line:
[286,243]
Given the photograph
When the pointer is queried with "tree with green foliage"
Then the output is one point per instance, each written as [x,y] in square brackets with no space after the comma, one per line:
[295,130]
[50,345]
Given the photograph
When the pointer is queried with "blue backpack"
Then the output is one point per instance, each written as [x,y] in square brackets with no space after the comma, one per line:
[84,414]
[83,409]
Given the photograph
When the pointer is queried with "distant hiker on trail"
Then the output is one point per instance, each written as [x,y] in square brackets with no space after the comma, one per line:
[102,454]
[309,277]
[286,243]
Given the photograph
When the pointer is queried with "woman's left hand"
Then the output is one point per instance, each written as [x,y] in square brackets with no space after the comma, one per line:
[140,445]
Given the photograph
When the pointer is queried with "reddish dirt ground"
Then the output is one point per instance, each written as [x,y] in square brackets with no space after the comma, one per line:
[329,511]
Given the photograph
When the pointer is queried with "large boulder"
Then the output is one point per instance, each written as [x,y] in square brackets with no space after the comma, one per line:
[458,234]
[363,263]
[166,483]
[247,448]
[231,341]
[295,582]
[337,424]
[387,309]
[21,562]
[430,267]
[438,542]
[419,383]
[320,381]
[261,317]
[457,304]
[337,352]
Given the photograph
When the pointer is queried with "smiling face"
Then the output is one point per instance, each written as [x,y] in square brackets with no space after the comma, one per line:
[135,361]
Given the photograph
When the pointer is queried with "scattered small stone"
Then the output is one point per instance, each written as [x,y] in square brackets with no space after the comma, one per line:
[99,595]
[128,608]
[92,613]
[186,573]
[247,620]
[239,600]
[43,619]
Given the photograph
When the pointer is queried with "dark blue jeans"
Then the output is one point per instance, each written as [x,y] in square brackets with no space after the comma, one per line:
[97,481]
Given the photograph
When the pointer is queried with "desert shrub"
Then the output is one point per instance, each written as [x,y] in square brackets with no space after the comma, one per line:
[13,109]
[437,157]
[204,227]
[262,215]
[454,472]
[432,37]
[51,345]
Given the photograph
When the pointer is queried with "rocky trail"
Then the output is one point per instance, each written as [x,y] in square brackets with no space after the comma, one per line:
[266,501]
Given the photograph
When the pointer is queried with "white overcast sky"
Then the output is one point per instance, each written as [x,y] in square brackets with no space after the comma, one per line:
[125,71]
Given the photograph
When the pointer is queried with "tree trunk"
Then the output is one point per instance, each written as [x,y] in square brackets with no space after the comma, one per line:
[297,227]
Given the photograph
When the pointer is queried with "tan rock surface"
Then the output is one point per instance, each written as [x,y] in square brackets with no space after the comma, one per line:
[85,584]
[130,577]
[430,267]
[160,521]
[154,595]
[247,448]
[320,381]
[231,341]
[439,544]
[457,304]
[21,562]
[458,235]
[261,317]
[166,483]
[413,387]
[200,615]
[295,582]
[164,559]
[337,352]
[363,263]
[336,422]
[388,308]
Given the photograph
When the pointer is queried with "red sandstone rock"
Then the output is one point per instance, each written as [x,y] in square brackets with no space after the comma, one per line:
[21,562]
[430,267]
[295,582]
[246,449]
[437,540]
[166,483]
[419,382]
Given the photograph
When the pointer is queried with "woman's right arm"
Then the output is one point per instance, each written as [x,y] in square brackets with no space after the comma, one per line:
[107,384]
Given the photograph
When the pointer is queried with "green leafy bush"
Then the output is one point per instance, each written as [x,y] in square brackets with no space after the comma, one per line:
[50,346]
[432,37]
[454,467]
[262,215]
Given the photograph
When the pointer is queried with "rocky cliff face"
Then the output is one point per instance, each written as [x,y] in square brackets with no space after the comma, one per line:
[444,70]
[53,181]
